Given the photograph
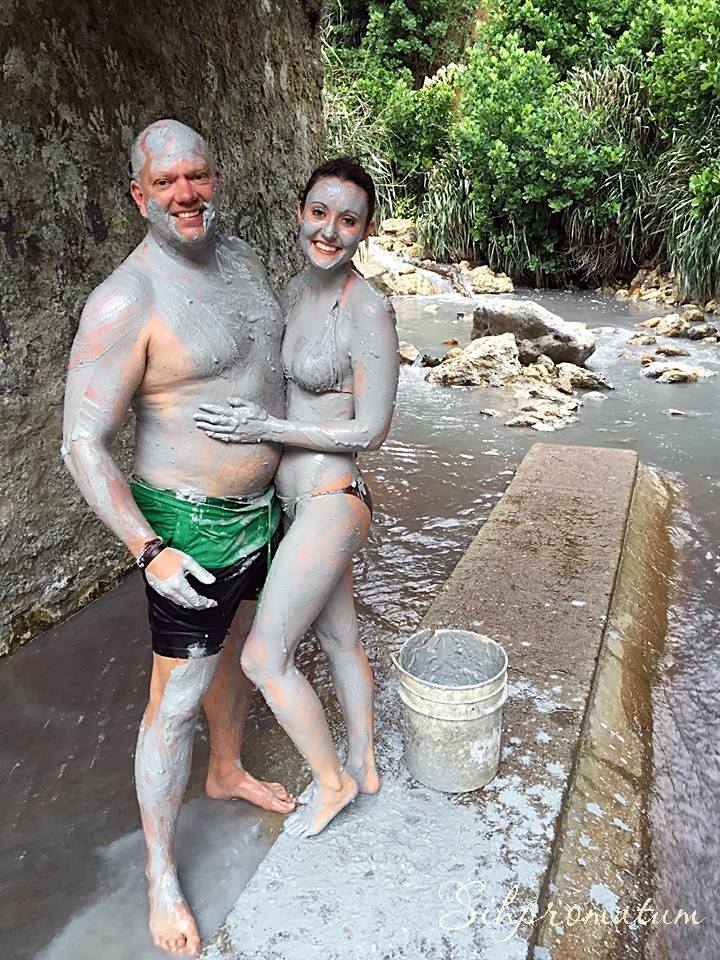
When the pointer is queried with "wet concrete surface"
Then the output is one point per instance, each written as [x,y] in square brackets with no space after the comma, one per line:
[72,852]
[415,873]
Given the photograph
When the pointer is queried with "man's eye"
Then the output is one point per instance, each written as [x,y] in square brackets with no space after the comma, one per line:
[161,183]
[202,176]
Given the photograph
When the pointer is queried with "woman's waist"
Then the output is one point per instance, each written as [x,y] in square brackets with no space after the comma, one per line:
[303,472]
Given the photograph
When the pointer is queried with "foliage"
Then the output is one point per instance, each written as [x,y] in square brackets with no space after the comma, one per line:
[566,141]
[419,35]
[684,74]
[575,32]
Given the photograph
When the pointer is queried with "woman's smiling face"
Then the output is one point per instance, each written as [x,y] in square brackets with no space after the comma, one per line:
[333,222]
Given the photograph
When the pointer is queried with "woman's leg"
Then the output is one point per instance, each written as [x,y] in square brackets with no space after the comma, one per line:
[312,557]
[336,629]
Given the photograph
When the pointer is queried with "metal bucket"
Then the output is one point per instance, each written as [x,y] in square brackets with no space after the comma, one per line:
[452,686]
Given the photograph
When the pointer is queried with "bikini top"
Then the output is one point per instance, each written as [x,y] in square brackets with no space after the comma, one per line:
[315,363]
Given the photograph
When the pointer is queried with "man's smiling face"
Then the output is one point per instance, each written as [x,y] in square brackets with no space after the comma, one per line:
[175,186]
[333,222]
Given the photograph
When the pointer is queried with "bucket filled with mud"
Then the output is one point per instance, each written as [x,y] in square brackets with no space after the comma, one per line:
[452,687]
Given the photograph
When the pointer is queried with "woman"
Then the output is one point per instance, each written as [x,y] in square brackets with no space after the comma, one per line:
[340,360]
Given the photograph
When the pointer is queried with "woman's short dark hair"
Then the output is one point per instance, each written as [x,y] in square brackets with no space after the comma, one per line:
[348,169]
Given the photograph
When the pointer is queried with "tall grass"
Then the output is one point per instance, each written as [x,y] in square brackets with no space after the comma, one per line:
[607,235]
[354,127]
[448,219]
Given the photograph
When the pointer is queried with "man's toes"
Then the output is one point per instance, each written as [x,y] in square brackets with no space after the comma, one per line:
[279,790]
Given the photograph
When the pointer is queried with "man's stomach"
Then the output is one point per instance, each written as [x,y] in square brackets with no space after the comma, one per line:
[174,457]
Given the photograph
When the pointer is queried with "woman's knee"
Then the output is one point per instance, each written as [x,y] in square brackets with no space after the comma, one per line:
[336,639]
[258,664]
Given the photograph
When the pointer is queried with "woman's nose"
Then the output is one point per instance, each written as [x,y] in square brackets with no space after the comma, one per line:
[329,230]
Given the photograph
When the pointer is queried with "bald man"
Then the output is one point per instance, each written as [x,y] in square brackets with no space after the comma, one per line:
[187,318]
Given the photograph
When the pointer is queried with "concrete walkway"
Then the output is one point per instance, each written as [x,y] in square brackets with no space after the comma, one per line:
[414,873]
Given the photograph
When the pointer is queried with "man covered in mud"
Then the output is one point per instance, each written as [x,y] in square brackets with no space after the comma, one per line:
[187,318]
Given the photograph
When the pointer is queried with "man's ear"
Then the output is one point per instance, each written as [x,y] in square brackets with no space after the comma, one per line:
[217,176]
[299,213]
[369,230]
[138,196]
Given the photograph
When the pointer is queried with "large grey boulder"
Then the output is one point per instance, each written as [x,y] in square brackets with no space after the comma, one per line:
[536,330]
[489,361]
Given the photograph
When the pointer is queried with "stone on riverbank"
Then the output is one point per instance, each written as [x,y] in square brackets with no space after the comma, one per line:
[536,330]
[408,353]
[582,378]
[670,350]
[673,325]
[702,330]
[641,340]
[483,280]
[666,371]
[487,361]
[400,229]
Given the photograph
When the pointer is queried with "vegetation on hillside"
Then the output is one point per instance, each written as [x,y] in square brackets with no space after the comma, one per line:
[557,142]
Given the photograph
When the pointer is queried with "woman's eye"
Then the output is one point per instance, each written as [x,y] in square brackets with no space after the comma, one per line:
[349,222]
[317,212]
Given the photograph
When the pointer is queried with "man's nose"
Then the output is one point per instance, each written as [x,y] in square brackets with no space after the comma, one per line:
[185,191]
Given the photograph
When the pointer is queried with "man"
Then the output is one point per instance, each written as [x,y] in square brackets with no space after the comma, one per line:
[189,317]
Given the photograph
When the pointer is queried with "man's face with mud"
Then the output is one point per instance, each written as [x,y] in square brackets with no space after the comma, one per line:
[176,188]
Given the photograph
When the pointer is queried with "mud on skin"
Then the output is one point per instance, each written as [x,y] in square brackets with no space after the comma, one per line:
[188,317]
[340,359]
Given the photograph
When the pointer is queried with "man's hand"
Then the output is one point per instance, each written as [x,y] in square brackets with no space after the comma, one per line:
[241,422]
[166,574]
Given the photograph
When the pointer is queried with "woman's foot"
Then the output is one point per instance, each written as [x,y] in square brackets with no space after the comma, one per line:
[323,803]
[172,925]
[365,775]
[231,782]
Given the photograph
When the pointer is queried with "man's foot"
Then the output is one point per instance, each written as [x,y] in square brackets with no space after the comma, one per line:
[365,775]
[231,782]
[322,805]
[172,926]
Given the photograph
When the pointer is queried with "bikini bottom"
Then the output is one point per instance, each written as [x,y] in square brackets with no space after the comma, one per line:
[358,488]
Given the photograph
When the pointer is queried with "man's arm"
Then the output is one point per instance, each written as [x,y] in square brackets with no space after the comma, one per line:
[107,364]
[375,376]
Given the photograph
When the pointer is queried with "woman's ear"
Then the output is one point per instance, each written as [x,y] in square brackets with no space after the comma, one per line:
[299,213]
[369,230]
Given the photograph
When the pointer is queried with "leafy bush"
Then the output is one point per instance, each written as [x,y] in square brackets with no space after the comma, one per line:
[684,75]
[521,139]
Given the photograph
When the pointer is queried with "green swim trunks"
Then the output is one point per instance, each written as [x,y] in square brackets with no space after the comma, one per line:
[214,531]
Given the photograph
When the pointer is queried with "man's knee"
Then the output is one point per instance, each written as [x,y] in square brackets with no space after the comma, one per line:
[185,688]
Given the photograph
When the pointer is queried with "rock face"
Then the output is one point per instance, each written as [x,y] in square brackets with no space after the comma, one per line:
[536,330]
[489,361]
[80,80]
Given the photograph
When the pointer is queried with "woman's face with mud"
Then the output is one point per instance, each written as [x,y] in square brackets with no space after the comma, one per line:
[333,222]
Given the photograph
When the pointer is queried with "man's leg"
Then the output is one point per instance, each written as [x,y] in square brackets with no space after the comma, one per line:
[162,768]
[226,707]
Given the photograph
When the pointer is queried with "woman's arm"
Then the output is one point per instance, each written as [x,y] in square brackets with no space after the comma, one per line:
[375,375]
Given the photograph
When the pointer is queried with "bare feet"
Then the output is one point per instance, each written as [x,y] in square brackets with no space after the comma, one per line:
[365,774]
[231,782]
[323,803]
[172,926]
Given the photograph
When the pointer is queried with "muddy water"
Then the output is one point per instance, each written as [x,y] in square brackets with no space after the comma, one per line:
[444,467]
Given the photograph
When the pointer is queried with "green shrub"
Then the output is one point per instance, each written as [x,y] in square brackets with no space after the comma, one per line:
[684,75]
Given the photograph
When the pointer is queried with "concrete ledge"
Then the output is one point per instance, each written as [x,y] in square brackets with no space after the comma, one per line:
[413,873]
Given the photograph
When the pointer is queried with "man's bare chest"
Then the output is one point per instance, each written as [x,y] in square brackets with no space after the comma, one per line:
[200,332]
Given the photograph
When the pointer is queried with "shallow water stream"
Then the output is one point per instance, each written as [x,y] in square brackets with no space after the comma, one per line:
[444,467]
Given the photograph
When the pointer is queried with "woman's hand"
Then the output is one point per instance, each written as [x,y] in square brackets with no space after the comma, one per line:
[242,422]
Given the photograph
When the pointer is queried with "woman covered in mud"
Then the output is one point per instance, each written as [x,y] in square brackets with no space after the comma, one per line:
[340,360]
